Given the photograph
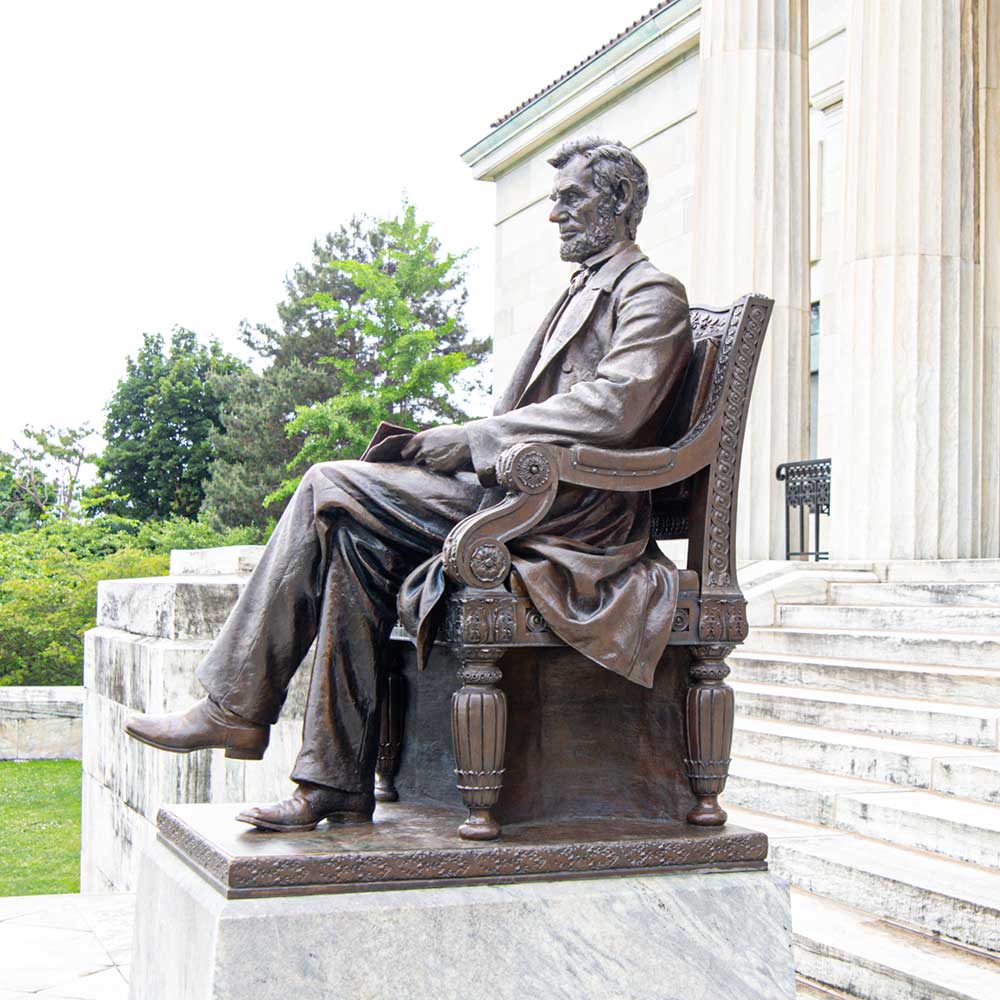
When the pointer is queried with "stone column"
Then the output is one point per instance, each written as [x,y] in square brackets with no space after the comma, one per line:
[751,227]
[907,448]
[988,119]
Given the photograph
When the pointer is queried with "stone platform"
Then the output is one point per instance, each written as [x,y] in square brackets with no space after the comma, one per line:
[597,909]
[410,846]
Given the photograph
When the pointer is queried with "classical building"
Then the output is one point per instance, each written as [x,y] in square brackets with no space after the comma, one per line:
[843,157]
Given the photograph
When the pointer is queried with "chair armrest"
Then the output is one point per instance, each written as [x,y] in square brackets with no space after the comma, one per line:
[640,469]
[475,553]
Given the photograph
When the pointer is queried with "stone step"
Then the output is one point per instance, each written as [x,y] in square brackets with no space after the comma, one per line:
[763,571]
[168,607]
[853,755]
[911,719]
[226,560]
[953,827]
[905,680]
[959,594]
[931,894]
[793,792]
[943,824]
[807,990]
[975,777]
[960,649]
[865,957]
[984,619]
[938,570]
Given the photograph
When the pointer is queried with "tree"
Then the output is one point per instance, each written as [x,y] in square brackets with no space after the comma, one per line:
[255,448]
[391,363]
[159,424]
[44,476]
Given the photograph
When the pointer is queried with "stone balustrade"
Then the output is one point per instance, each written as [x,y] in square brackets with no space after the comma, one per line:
[142,656]
[41,723]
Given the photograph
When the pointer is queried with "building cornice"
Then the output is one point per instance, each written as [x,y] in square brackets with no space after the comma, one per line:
[654,43]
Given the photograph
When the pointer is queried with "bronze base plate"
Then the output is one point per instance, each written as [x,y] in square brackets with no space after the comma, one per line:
[415,846]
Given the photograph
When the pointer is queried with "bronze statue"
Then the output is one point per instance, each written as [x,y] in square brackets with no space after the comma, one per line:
[361,541]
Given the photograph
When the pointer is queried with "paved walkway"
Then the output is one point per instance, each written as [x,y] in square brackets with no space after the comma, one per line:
[70,947]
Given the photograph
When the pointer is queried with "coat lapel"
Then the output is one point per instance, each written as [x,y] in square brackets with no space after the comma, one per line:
[578,312]
[519,380]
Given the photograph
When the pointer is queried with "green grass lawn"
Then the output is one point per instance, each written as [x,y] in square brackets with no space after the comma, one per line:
[39,827]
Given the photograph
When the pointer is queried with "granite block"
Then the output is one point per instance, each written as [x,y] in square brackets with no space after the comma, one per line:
[684,936]
[227,560]
[125,782]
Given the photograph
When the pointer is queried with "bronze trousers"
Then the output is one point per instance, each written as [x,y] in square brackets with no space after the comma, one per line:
[330,574]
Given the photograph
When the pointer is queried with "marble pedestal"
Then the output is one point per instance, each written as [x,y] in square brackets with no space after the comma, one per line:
[637,911]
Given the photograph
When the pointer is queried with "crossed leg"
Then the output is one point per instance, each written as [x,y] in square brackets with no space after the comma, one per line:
[330,574]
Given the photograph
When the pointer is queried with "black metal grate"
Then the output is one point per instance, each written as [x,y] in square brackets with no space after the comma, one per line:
[807,484]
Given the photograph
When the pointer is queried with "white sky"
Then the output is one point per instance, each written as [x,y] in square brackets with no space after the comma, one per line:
[168,163]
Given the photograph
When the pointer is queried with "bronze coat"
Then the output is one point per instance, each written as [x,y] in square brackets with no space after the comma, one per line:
[607,377]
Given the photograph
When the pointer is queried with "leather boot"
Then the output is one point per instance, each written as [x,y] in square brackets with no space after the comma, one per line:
[308,806]
[203,726]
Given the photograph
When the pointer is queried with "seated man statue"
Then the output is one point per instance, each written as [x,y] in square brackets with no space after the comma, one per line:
[360,541]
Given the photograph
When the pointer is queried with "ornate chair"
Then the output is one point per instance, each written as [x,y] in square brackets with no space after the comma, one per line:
[694,486]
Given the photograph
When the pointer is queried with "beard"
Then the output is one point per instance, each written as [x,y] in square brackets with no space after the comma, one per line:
[598,237]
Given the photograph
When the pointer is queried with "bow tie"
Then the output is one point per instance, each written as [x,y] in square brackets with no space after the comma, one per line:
[578,280]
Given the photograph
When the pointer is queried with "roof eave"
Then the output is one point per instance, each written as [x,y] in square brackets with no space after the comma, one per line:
[663,38]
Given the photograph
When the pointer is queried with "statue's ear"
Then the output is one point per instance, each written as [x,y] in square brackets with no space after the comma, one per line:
[626,191]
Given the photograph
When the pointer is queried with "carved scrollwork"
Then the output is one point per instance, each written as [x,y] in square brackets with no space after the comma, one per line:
[526,468]
[709,670]
[484,621]
[744,336]
[723,620]
[533,620]
[480,674]
[489,562]
[682,620]
[533,471]
[708,663]
[707,323]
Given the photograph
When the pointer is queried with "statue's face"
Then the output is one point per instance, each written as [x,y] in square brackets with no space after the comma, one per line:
[585,215]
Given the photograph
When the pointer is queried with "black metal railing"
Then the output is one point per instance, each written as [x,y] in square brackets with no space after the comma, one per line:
[807,484]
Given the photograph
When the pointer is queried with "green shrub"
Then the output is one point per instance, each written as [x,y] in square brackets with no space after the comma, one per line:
[48,585]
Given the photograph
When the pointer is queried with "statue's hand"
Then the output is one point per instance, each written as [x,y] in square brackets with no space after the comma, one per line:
[441,449]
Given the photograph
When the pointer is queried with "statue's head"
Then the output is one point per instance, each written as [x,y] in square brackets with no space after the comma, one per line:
[598,195]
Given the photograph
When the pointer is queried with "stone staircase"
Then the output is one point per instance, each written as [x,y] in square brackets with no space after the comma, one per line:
[866,747]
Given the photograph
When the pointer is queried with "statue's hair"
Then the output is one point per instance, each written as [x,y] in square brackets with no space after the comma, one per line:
[611,163]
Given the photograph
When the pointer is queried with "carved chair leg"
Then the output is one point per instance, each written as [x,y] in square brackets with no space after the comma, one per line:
[479,733]
[390,741]
[710,707]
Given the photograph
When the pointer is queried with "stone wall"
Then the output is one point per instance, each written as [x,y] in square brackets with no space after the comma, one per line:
[41,723]
[898,246]
[150,636]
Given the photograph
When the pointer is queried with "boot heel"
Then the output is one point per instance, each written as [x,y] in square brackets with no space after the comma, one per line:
[248,746]
[348,816]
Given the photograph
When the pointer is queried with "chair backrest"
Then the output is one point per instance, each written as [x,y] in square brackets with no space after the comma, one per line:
[727,343]
[707,328]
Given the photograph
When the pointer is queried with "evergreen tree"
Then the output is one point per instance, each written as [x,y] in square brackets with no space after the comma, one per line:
[253,445]
[158,426]
[391,363]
